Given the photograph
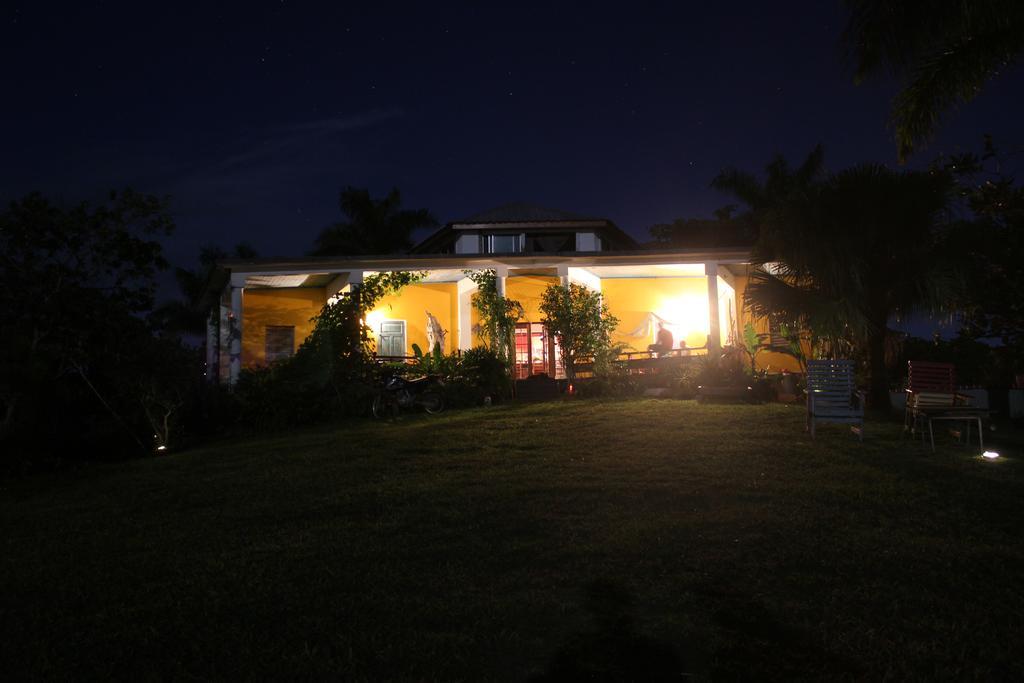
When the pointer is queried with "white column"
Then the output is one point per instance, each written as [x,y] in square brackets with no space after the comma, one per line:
[465,288]
[563,275]
[500,275]
[235,322]
[714,325]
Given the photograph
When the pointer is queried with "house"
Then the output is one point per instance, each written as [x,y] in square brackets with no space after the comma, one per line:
[267,305]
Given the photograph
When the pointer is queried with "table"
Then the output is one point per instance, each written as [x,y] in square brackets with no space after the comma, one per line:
[966,414]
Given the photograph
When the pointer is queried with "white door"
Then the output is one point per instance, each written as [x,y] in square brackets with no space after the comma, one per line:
[392,338]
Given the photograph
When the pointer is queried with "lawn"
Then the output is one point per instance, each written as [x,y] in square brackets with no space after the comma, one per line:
[479,544]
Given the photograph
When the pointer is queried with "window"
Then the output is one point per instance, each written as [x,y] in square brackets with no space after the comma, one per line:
[551,242]
[504,244]
[280,343]
[392,338]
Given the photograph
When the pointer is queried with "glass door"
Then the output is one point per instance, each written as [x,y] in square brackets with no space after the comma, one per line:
[537,352]
[522,370]
[538,349]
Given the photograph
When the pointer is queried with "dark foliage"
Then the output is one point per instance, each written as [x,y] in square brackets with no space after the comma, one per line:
[849,250]
[188,315]
[977,363]
[480,374]
[372,226]
[990,250]
[943,52]
[81,373]
[724,230]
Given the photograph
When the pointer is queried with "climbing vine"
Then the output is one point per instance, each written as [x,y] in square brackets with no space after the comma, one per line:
[343,320]
[498,316]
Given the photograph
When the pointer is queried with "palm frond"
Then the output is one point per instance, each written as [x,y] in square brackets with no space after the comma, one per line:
[742,185]
[947,78]
[944,50]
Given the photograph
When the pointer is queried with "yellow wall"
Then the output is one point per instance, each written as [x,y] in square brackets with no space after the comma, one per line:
[632,300]
[411,305]
[771,360]
[528,290]
[263,307]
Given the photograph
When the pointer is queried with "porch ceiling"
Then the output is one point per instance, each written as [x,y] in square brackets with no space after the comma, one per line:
[257,281]
[437,274]
[650,270]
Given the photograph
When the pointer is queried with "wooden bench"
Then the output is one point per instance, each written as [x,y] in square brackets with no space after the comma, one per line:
[932,395]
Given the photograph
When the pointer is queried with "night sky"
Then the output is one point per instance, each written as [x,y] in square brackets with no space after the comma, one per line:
[253,117]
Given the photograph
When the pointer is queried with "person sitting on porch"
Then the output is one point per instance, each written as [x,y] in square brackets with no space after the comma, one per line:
[663,342]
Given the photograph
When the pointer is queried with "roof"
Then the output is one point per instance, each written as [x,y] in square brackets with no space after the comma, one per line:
[326,264]
[522,212]
[521,215]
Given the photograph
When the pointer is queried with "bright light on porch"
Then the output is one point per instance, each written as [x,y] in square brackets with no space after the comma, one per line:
[374,319]
[687,318]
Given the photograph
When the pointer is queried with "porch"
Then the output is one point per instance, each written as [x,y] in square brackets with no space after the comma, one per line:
[265,310]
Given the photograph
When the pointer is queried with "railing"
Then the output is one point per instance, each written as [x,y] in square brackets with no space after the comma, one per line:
[393,359]
[402,359]
[653,355]
[631,359]
[640,362]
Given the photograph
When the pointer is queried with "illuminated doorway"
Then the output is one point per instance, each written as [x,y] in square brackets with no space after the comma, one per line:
[537,352]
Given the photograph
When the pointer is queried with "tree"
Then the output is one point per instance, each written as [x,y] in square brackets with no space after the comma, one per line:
[990,247]
[944,52]
[372,226]
[724,230]
[847,252]
[579,319]
[77,280]
[189,314]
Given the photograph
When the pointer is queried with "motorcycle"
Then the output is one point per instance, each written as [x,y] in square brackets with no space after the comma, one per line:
[398,392]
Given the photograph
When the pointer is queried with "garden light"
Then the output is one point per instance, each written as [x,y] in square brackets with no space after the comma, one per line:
[990,455]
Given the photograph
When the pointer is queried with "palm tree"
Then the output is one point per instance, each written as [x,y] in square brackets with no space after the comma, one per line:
[188,315]
[848,251]
[945,51]
[372,226]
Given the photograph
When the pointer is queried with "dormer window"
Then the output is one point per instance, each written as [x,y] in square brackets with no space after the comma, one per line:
[504,244]
[550,242]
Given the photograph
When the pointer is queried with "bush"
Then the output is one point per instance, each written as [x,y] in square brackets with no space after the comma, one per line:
[297,393]
[479,373]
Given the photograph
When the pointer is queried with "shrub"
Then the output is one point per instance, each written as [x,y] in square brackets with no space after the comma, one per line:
[486,371]
[610,375]
[435,362]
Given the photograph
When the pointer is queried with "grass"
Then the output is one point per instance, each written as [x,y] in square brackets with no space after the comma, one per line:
[465,546]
